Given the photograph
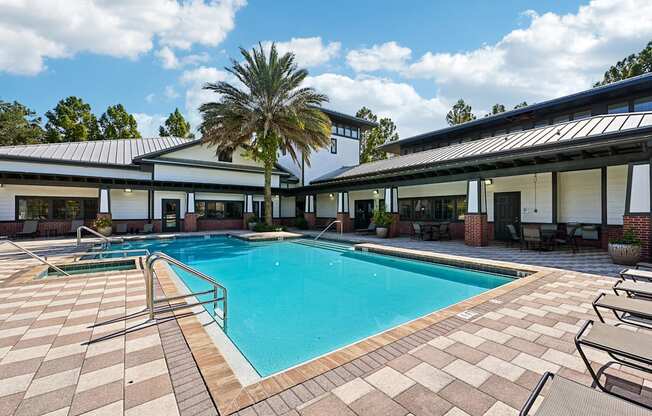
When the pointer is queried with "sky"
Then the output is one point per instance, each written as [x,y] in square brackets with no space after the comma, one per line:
[408,60]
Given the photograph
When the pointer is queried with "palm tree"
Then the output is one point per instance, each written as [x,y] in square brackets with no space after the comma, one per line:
[269,113]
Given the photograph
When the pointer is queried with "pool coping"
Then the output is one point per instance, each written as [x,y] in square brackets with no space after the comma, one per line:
[229,395]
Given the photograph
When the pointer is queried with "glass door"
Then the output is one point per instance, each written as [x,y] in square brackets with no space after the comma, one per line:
[170,210]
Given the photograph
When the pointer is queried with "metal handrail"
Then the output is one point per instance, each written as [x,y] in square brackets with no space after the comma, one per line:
[39,258]
[90,253]
[329,226]
[149,292]
[95,233]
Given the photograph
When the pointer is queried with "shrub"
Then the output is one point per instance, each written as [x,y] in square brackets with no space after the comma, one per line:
[628,238]
[254,220]
[301,223]
[103,222]
[382,219]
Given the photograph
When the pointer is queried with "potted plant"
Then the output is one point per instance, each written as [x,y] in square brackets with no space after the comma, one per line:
[104,226]
[625,250]
[251,223]
[383,220]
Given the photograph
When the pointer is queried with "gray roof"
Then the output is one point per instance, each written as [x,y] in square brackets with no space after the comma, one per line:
[558,134]
[102,152]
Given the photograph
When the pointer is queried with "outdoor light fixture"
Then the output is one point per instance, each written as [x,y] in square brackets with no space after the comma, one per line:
[331,196]
[375,193]
[127,190]
[488,181]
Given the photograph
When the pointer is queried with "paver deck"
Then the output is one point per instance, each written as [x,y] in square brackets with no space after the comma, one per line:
[66,348]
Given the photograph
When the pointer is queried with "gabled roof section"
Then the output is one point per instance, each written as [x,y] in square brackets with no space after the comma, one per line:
[591,130]
[357,121]
[635,83]
[119,152]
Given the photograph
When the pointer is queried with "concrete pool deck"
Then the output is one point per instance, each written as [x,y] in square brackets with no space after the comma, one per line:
[480,357]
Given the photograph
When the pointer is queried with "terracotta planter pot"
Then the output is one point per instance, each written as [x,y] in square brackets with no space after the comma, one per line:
[105,231]
[381,232]
[626,254]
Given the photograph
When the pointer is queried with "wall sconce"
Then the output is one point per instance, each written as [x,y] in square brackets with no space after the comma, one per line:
[331,196]
[1,185]
[127,190]
[376,193]
[488,181]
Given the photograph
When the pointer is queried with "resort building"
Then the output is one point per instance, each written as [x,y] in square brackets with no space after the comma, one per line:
[580,159]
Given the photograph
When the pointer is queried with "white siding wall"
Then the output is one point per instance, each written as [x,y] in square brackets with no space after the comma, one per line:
[288,207]
[207,154]
[159,195]
[218,197]
[437,189]
[326,207]
[15,166]
[8,195]
[616,193]
[191,174]
[525,185]
[640,198]
[128,206]
[579,196]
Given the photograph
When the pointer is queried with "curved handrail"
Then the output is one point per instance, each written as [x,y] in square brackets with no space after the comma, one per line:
[39,258]
[95,233]
[149,276]
[99,253]
[329,226]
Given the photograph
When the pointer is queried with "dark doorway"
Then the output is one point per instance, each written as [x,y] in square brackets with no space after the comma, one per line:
[170,210]
[363,212]
[507,210]
[300,206]
[259,209]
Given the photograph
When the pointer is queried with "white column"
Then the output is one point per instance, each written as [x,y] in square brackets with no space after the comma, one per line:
[638,189]
[342,202]
[248,203]
[105,201]
[391,200]
[190,202]
[310,204]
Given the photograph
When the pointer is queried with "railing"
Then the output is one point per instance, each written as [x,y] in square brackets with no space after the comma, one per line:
[149,293]
[95,233]
[39,258]
[329,226]
[78,256]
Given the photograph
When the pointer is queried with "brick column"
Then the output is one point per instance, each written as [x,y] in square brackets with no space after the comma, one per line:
[346,225]
[311,219]
[395,226]
[190,222]
[476,230]
[640,224]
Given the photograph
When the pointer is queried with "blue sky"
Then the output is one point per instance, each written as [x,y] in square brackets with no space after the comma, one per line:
[406,60]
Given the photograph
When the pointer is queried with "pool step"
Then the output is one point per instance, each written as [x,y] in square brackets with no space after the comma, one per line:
[328,245]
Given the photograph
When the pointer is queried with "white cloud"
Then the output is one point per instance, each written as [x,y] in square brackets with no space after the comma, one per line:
[553,56]
[194,80]
[308,51]
[32,31]
[411,112]
[150,98]
[170,92]
[390,56]
[148,124]
[169,59]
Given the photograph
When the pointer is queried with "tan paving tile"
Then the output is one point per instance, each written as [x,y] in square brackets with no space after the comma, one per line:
[163,406]
[467,372]
[390,381]
[52,382]
[376,403]
[97,378]
[430,377]
[534,364]
[353,390]
[502,368]
[17,384]
[420,401]
[329,405]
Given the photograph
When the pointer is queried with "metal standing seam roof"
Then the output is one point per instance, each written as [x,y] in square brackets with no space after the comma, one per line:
[592,127]
[102,152]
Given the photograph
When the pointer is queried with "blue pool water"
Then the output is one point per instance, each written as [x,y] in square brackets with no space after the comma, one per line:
[289,303]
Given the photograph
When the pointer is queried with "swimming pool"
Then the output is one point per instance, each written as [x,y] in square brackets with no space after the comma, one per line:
[289,303]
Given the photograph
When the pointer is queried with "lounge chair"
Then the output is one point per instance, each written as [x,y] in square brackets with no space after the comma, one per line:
[148,228]
[30,228]
[644,265]
[371,229]
[121,228]
[636,274]
[445,231]
[626,347]
[633,289]
[74,224]
[418,232]
[627,310]
[514,237]
[566,397]
[532,236]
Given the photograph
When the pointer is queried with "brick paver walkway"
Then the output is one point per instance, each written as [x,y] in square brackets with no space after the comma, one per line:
[66,348]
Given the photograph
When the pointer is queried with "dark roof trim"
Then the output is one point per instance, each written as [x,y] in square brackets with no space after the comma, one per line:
[66,162]
[360,122]
[604,89]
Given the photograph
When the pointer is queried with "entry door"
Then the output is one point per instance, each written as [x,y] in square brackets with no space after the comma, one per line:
[507,210]
[363,212]
[170,209]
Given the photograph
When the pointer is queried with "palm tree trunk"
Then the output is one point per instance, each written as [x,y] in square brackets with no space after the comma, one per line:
[268,192]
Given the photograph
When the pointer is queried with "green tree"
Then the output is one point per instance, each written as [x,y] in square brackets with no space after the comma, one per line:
[18,125]
[496,109]
[633,65]
[383,133]
[176,126]
[117,123]
[460,113]
[270,112]
[521,105]
[71,121]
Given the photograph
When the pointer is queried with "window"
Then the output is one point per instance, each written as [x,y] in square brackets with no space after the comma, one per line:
[618,108]
[345,131]
[225,156]
[354,133]
[561,119]
[340,130]
[219,209]
[582,114]
[334,146]
[541,123]
[333,128]
[441,208]
[643,104]
[48,208]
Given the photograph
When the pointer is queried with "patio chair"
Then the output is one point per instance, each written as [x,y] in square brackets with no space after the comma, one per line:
[418,232]
[121,228]
[445,231]
[590,232]
[566,397]
[74,224]
[148,228]
[572,234]
[371,229]
[30,228]
[637,312]
[625,347]
[514,237]
[633,289]
[636,274]
[532,236]
[644,265]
